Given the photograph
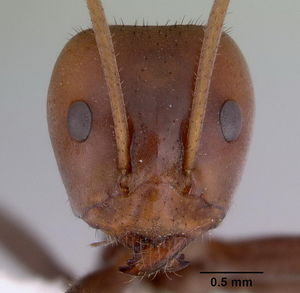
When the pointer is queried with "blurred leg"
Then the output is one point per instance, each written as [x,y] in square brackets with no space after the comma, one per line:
[28,251]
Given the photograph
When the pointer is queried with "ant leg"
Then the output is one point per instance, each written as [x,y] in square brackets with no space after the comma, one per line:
[109,278]
[26,248]
[277,257]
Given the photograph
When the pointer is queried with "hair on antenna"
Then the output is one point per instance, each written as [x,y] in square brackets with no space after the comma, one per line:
[112,78]
[209,50]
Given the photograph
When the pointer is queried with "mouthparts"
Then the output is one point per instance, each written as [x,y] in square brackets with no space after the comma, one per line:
[151,256]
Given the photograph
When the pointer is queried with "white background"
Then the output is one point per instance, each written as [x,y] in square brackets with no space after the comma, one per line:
[33,32]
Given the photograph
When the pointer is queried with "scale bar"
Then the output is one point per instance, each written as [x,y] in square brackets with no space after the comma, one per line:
[213,273]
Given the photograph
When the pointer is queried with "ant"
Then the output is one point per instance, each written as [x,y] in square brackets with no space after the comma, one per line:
[150,127]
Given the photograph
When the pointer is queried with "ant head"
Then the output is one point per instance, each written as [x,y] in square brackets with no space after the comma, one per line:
[158,67]
[157,198]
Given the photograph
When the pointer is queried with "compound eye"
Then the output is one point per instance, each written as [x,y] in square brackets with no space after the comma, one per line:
[79,121]
[231,120]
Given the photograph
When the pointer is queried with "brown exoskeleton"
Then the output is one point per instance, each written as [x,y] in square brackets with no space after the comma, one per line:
[140,162]
[150,132]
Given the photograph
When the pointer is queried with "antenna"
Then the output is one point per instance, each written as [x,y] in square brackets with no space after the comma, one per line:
[113,82]
[209,50]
